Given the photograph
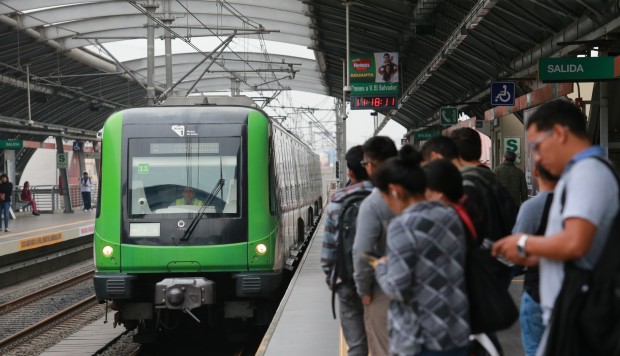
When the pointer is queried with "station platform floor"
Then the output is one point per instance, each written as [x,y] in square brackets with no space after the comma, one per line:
[29,232]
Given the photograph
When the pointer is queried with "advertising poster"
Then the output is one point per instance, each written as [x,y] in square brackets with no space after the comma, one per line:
[374,73]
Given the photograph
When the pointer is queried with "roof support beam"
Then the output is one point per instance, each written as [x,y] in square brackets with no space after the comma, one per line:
[471,20]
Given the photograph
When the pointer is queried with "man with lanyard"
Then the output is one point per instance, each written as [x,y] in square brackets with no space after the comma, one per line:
[579,222]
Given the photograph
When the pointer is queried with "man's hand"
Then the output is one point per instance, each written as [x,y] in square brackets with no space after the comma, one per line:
[507,248]
[367,299]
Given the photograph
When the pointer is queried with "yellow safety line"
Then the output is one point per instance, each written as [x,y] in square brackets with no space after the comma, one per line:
[343,344]
[45,228]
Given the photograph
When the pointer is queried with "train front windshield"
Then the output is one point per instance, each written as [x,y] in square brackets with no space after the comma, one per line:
[181,175]
[179,178]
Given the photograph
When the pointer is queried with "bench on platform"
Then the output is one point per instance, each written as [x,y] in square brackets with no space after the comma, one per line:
[21,205]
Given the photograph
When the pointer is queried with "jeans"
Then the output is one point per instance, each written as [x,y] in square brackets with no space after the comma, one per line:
[531,324]
[462,351]
[352,320]
[86,200]
[4,211]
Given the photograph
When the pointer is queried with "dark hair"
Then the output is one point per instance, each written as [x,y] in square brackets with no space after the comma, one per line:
[353,157]
[560,112]
[26,183]
[443,176]
[468,143]
[403,170]
[545,174]
[379,148]
[4,175]
[510,156]
[442,145]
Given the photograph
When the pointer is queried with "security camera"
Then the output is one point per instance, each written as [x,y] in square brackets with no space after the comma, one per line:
[347,89]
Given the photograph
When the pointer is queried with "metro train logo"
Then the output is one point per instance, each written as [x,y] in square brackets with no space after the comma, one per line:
[361,65]
[179,129]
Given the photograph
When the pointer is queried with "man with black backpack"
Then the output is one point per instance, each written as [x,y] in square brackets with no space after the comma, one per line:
[489,204]
[578,254]
[336,254]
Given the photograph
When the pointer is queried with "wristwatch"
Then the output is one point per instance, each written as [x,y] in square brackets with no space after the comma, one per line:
[521,245]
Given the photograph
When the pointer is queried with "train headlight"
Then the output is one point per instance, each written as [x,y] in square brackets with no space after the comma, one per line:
[261,249]
[107,251]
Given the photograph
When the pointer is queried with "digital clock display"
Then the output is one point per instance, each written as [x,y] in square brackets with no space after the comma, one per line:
[374,102]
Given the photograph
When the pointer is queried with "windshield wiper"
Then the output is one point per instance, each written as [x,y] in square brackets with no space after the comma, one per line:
[203,208]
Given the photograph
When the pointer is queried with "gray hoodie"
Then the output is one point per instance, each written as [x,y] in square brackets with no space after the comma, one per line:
[370,237]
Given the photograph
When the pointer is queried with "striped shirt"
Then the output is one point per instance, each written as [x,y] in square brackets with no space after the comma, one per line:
[425,277]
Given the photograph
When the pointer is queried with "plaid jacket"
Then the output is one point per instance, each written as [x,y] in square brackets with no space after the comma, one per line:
[425,277]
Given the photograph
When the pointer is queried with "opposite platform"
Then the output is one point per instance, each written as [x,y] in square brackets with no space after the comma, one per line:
[30,232]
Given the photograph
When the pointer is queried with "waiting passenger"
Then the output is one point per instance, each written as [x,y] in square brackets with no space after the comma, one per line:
[188,198]
[532,219]
[27,197]
[578,227]
[351,309]
[370,237]
[424,270]
[85,187]
[512,178]
[6,190]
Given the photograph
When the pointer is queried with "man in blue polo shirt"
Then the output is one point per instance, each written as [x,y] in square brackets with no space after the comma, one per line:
[579,223]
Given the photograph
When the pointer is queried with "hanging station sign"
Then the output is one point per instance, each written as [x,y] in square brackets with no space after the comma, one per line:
[374,78]
[578,69]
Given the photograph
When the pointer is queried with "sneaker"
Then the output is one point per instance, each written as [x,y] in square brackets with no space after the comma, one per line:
[7,230]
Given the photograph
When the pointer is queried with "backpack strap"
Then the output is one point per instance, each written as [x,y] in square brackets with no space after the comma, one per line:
[467,222]
[542,225]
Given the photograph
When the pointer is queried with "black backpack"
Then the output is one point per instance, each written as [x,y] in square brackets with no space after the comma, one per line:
[499,210]
[586,314]
[343,273]
[491,308]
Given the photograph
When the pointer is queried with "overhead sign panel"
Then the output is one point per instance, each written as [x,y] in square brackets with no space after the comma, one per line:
[579,69]
[374,77]
[11,144]
[426,135]
[503,93]
[78,146]
[61,160]
[448,116]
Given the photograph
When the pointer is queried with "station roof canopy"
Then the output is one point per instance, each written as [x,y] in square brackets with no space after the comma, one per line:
[450,50]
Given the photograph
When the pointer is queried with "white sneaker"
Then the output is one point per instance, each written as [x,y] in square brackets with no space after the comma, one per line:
[7,230]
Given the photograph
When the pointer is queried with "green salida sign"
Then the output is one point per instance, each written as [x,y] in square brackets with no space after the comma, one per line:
[580,69]
[11,144]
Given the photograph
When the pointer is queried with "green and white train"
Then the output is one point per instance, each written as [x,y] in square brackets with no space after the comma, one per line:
[220,255]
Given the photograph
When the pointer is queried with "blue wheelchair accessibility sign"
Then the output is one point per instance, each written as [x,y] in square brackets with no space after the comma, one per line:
[503,93]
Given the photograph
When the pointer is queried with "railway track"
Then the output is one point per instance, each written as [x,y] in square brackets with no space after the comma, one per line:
[24,335]
[54,310]
[32,297]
